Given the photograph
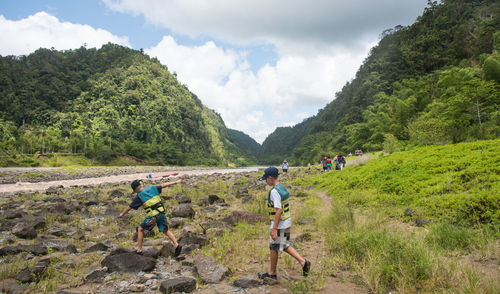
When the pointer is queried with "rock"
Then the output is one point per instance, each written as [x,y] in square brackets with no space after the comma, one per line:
[58,232]
[301,238]
[128,262]
[167,250]
[176,222]
[54,190]
[192,238]
[137,288]
[410,212]
[33,273]
[25,231]
[152,252]
[76,234]
[187,249]
[33,249]
[247,283]
[183,210]
[420,222]
[12,286]
[209,270]
[113,212]
[96,247]
[183,199]
[182,284]
[13,214]
[116,193]
[95,276]
[120,250]
[305,220]
[215,199]
[59,245]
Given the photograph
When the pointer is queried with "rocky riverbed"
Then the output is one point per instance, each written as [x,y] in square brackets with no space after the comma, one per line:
[69,239]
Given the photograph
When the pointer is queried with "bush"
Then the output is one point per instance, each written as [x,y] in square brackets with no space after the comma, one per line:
[105,155]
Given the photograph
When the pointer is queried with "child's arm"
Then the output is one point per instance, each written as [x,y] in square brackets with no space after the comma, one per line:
[164,185]
[124,211]
[274,230]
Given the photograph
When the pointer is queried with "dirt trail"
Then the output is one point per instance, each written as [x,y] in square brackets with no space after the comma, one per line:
[125,178]
[338,284]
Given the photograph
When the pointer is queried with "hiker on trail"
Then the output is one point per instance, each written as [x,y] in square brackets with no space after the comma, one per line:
[329,163]
[336,162]
[341,161]
[279,212]
[149,198]
[285,167]
[324,164]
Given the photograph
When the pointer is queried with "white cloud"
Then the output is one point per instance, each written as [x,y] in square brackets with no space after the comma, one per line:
[256,103]
[24,36]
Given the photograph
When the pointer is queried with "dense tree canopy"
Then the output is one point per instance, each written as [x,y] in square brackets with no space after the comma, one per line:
[108,102]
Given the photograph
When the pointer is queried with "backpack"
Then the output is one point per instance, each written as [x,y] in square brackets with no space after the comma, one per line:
[328,161]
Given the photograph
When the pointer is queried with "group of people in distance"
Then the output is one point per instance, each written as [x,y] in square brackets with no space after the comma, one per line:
[338,161]
[148,196]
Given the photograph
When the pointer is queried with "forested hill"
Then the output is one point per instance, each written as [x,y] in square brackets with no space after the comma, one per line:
[108,102]
[434,82]
[245,141]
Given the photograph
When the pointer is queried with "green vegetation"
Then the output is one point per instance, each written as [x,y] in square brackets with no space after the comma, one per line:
[372,226]
[106,103]
[434,82]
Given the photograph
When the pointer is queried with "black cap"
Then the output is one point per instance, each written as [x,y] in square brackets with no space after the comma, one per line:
[269,172]
[135,184]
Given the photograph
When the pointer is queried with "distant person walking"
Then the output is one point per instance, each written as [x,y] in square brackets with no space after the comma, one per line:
[281,222]
[341,161]
[149,198]
[324,164]
[329,163]
[285,167]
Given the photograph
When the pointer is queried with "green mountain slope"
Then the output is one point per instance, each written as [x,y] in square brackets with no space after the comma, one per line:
[436,81]
[245,141]
[107,102]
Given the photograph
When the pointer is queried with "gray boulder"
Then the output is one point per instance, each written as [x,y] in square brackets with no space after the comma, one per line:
[209,270]
[247,283]
[192,238]
[183,210]
[182,284]
[129,262]
[96,247]
[33,273]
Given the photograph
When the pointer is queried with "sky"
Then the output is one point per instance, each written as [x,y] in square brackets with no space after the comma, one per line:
[260,64]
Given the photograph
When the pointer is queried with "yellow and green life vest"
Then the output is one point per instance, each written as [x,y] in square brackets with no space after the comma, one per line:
[151,201]
[285,205]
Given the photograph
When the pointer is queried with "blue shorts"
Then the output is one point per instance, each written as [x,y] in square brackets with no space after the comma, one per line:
[160,220]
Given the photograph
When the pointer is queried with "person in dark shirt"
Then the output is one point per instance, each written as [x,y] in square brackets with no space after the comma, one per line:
[149,198]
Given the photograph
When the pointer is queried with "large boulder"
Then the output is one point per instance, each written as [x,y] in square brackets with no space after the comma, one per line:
[58,245]
[97,247]
[182,284]
[25,231]
[183,210]
[246,283]
[129,262]
[192,238]
[36,249]
[33,273]
[209,270]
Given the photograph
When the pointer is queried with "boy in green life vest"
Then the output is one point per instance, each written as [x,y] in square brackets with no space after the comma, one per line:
[279,212]
[149,198]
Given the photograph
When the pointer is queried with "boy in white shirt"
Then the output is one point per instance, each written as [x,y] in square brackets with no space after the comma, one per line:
[279,211]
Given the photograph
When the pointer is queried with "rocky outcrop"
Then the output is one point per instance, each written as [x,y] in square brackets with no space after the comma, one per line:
[128,262]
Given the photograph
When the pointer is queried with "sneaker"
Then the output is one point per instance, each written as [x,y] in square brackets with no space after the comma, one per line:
[138,252]
[305,268]
[178,250]
[266,275]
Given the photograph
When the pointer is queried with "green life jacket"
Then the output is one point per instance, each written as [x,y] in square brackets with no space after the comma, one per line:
[285,206]
[151,201]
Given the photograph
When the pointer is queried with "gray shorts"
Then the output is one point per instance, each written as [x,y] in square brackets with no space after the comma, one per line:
[282,242]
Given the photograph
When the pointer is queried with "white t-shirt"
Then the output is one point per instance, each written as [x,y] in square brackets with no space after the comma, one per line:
[276,199]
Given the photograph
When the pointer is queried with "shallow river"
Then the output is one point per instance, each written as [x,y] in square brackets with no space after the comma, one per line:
[41,186]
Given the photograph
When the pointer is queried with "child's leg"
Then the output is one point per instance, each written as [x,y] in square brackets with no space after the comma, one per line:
[274,261]
[140,238]
[295,255]
[171,237]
